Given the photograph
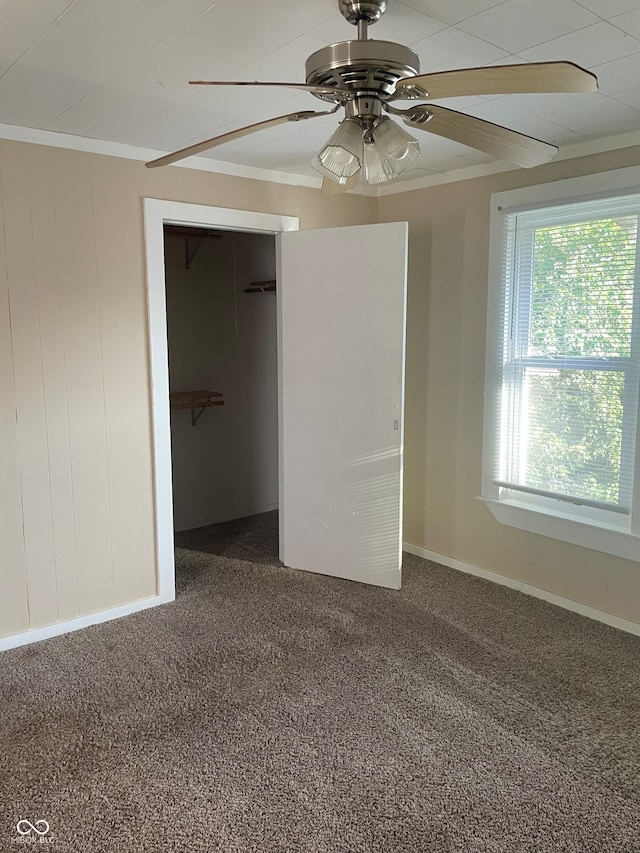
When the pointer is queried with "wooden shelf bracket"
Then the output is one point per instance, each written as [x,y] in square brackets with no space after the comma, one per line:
[195,400]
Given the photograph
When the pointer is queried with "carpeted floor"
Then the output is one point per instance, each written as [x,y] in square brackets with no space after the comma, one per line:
[273,710]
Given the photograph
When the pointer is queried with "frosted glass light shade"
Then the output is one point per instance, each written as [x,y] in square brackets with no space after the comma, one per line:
[374,172]
[397,148]
[342,156]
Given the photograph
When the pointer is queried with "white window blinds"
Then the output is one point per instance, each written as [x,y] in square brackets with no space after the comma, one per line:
[570,352]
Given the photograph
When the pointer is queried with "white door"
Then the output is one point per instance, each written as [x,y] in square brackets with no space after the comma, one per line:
[341,300]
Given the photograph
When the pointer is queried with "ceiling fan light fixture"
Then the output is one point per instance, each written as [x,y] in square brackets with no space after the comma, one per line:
[398,149]
[343,154]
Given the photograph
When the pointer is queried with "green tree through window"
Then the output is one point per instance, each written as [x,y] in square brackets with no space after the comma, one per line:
[583,280]
[570,373]
[581,308]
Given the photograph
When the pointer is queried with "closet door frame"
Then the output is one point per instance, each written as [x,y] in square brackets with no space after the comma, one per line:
[157,214]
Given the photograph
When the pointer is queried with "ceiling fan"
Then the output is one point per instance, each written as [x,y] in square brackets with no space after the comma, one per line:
[367,77]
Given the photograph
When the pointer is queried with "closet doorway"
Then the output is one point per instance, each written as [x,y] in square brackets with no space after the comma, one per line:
[340,300]
[223,374]
[159,213]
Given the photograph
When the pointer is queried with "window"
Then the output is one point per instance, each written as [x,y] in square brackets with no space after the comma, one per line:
[563,372]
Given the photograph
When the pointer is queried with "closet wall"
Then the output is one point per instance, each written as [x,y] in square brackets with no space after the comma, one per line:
[223,339]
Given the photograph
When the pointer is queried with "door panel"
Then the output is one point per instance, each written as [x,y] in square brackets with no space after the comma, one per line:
[341,310]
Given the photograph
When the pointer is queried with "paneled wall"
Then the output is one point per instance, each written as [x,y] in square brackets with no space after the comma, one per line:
[79,518]
[76,480]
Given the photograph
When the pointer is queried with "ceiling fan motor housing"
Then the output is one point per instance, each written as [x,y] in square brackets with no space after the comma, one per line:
[362,10]
[366,68]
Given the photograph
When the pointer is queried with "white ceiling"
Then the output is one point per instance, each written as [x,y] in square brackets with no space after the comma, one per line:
[118,69]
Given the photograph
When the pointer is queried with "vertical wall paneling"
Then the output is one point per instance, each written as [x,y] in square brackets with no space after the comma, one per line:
[83,359]
[14,615]
[196,186]
[151,183]
[48,263]
[30,404]
[117,212]
[175,184]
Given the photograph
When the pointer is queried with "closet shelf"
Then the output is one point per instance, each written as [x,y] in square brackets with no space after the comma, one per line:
[195,400]
[261,287]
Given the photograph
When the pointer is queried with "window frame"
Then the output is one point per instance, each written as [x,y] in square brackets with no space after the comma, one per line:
[600,529]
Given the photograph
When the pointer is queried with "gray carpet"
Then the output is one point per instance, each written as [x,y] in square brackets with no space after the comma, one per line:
[273,710]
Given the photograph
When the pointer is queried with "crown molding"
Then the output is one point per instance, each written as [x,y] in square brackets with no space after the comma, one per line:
[570,152]
[204,164]
[133,152]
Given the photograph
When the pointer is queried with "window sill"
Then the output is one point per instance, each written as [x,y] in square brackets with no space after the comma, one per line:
[608,539]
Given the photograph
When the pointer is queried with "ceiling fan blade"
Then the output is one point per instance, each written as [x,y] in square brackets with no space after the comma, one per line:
[500,142]
[235,134]
[317,90]
[499,80]
[330,187]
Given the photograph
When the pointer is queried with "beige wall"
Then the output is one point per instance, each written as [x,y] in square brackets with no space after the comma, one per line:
[448,260]
[76,518]
[76,522]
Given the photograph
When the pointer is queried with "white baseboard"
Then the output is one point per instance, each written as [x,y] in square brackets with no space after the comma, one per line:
[182,524]
[37,634]
[536,592]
